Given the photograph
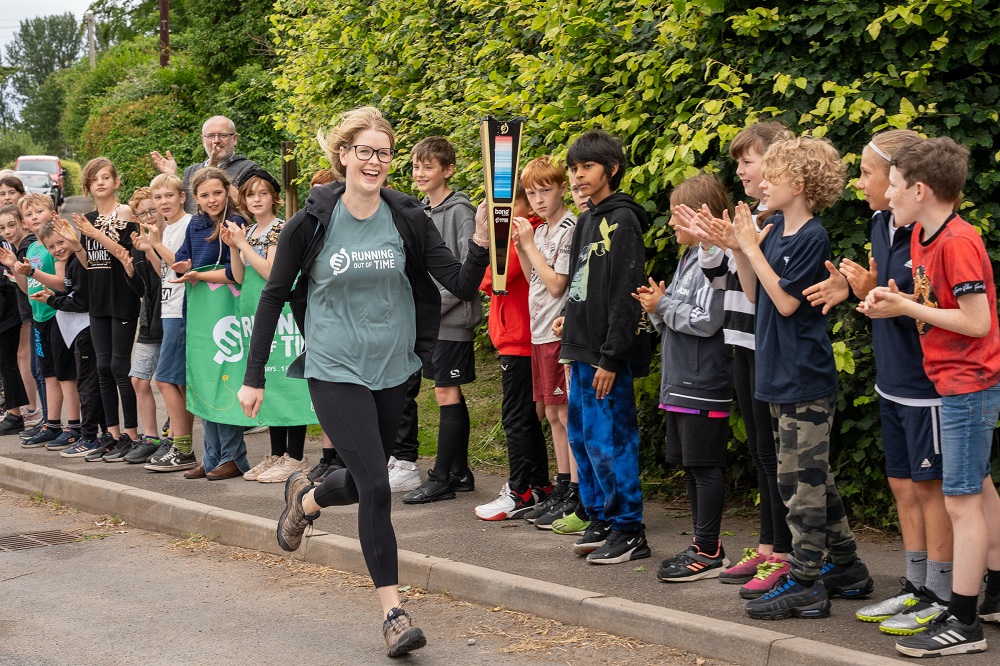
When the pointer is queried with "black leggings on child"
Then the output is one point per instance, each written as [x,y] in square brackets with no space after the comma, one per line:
[288,439]
[363,425]
[113,339]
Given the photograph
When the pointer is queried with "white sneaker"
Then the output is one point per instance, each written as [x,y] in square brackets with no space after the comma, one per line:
[507,506]
[267,463]
[403,475]
[284,468]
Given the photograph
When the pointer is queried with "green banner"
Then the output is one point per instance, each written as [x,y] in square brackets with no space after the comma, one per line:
[219,324]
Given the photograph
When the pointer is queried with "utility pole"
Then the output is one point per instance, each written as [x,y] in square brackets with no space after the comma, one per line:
[164,33]
[90,39]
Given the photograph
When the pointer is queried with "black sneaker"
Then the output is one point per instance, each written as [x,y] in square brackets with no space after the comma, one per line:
[621,547]
[319,471]
[142,450]
[561,508]
[11,424]
[173,461]
[790,598]
[851,582]
[165,445]
[989,610]
[693,564]
[45,435]
[430,490]
[66,439]
[543,507]
[595,537]
[121,449]
[946,635]
[28,433]
[106,446]
[465,483]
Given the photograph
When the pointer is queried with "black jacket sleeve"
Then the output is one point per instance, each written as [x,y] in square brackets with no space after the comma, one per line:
[292,245]
[76,296]
[461,279]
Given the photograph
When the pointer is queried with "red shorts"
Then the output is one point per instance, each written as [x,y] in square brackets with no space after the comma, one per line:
[548,375]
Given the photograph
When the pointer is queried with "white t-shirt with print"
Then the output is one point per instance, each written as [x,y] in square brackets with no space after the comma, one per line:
[553,241]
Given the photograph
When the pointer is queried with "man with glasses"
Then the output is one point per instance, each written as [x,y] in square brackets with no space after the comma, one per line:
[219,137]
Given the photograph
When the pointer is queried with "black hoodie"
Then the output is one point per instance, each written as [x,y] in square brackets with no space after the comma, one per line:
[300,242]
[607,264]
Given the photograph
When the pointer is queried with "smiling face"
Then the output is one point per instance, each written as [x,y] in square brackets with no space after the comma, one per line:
[58,247]
[430,175]
[874,180]
[35,216]
[748,168]
[547,200]
[11,229]
[8,195]
[147,212]
[212,197]
[365,177]
[104,184]
[778,193]
[169,202]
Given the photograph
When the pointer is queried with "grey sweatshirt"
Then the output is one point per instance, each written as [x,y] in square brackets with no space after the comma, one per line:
[455,219]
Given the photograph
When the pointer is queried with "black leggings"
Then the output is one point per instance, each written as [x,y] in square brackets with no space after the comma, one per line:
[706,488]
[113,340]
[13,388]
[764,452]
[288,439]
[363,425]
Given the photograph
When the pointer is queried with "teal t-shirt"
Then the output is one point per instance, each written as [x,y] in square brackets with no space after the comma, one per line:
[360,320]
[40,260]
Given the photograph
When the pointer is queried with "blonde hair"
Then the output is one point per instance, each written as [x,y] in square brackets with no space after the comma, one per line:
[891,142]
[165,181]
[702,189]
[36,199]
[93,167]
[141,194]
[759,137]
[543,171]
[349,126]
[812,163]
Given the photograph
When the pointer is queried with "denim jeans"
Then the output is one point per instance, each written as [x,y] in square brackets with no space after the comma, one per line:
[223,443]
[967,424]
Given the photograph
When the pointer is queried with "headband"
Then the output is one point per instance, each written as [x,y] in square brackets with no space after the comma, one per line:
[878,151]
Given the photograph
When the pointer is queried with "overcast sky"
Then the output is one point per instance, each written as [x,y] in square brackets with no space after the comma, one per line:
[15,11]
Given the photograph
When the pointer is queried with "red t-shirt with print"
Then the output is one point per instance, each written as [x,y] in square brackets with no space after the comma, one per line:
[950,264]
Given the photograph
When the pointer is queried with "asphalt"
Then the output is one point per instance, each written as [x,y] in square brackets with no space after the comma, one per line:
[444,548]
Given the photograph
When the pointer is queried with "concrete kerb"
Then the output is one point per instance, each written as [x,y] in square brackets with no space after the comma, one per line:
[718,639]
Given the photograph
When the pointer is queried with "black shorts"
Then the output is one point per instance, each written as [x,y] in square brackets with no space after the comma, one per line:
[453,363]
[696,441]
[54,357]
[911,439]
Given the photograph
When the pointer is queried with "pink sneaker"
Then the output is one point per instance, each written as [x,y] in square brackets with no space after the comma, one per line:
[767,577]
[744,570]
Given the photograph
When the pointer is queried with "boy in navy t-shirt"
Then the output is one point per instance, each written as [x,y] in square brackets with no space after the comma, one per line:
[797,375]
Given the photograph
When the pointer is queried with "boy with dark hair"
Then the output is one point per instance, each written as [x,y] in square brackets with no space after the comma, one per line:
[454,361]
[797,375]
[954,305]
[601,318]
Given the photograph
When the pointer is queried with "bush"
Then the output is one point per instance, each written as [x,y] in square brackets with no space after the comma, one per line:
[13,144]
[677,80]
[74,178]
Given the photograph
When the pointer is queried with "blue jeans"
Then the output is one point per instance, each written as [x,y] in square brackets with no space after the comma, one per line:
[223,443]
[604,439]
[967,424]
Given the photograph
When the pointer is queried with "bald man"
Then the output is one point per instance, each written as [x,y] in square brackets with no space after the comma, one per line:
[219,137]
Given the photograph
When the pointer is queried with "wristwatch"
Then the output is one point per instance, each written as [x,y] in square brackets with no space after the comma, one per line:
[31,272]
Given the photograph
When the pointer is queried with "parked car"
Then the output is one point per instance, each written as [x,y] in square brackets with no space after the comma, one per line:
[40,182]
[50,165]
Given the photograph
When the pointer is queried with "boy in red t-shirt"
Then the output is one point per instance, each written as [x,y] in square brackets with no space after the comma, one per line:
[954,305]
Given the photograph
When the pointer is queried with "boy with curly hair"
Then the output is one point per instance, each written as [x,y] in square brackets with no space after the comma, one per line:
[797,375]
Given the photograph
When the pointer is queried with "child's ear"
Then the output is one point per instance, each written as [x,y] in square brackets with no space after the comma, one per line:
[449,171]
[614,170]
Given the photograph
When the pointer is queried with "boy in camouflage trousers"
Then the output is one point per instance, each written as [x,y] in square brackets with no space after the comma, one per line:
[796,374]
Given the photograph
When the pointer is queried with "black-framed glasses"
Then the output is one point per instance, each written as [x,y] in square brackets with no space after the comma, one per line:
[145,215]
[218,135]
[385,155]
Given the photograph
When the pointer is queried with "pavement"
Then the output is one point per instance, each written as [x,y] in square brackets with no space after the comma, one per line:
[444,548]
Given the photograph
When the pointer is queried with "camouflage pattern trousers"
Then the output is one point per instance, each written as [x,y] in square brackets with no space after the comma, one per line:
[816,515]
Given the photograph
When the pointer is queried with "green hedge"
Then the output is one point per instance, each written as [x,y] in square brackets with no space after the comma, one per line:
[74,180]
[677,80]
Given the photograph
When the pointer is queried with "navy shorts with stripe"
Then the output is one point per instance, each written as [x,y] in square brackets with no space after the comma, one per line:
[911,438]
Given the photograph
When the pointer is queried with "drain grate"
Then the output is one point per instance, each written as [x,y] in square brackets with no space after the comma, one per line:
[36,540]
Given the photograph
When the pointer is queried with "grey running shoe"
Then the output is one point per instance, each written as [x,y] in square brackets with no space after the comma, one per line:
[885,609]
[400,634]
[294,519]
[913,620]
